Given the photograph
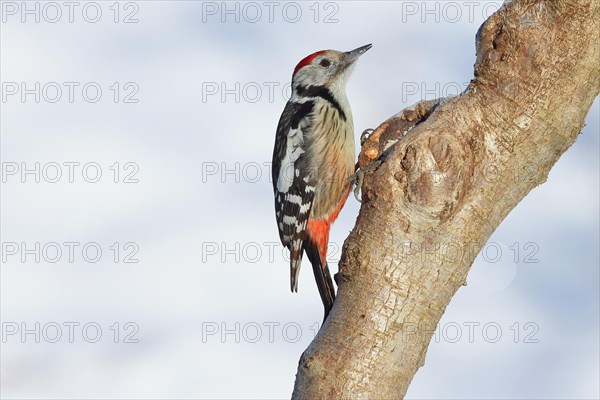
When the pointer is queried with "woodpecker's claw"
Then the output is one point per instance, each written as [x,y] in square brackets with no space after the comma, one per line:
[359,176]
[356,180]
[365,135]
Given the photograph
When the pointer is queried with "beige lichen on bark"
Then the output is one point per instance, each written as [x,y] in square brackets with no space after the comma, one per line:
[451,172]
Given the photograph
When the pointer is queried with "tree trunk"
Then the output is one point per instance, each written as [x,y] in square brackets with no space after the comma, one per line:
[452,170]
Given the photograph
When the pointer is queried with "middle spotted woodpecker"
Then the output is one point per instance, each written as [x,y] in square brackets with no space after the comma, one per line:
[312,161]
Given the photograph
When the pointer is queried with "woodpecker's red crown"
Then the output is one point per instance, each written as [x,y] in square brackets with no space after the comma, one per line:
[307,60]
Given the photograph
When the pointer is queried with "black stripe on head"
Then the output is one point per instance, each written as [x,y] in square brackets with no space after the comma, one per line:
[322,92]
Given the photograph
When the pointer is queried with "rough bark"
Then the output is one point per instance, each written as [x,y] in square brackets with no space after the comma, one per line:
[452,170]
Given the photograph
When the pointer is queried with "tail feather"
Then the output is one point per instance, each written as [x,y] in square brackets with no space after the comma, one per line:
[322,276]
[295,263]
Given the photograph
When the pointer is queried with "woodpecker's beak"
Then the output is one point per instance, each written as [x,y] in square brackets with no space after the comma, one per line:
[354,54]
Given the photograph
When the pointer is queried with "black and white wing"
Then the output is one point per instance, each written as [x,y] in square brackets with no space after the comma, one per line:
[293,183]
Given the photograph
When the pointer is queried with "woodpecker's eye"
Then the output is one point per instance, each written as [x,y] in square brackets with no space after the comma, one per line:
[325,63]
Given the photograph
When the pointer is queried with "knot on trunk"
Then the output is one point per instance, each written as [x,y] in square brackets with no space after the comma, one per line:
[433,175]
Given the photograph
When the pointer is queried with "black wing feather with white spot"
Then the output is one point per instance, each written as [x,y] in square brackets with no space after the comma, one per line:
[293,185]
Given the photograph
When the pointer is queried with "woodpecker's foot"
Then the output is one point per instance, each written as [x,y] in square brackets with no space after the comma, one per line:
[359,176]
[365,135]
